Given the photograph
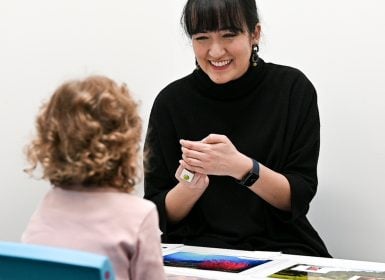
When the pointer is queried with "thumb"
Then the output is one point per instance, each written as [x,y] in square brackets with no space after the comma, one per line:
[212,139]
[207,180]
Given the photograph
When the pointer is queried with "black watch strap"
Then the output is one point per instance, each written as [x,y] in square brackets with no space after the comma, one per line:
[252,176]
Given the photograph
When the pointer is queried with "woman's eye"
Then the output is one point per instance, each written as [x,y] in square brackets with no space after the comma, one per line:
[229,35]
[200,38]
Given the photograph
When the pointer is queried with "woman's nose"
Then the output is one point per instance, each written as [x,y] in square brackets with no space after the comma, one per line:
[216,50]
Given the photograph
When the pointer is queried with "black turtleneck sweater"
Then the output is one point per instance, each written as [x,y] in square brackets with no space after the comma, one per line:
[270,114]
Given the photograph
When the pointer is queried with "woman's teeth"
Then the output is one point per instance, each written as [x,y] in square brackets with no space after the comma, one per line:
[220,63]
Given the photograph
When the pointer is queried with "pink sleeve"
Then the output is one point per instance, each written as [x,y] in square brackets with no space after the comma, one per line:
[147,262]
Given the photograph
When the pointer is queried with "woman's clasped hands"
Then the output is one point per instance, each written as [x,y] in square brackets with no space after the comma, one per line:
[214,155]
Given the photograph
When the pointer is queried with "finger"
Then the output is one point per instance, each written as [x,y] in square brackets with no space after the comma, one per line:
[185,165]
[214,139]
[192,153]
[192,167]
[192,161]
[193,145]
[206,180]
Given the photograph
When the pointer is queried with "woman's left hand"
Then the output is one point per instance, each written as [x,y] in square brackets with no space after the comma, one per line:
[215,155]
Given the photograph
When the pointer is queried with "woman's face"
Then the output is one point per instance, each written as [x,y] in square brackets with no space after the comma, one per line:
[224,55]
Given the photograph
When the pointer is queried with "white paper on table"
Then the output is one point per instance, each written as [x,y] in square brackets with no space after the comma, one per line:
[167,247]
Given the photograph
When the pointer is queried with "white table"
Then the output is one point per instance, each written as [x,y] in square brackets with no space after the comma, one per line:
[279,261]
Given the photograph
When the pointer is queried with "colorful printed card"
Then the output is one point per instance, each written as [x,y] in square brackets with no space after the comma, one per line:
[211,261]
[316,272]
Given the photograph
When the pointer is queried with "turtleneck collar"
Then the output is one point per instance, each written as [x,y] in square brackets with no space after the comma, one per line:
[233,89]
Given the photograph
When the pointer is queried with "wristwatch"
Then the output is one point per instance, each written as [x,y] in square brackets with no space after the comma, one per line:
[252,176]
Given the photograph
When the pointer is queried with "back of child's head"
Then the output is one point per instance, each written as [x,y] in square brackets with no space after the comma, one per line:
[88,134]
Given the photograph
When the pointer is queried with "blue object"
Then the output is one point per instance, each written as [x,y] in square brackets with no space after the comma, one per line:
[20,261]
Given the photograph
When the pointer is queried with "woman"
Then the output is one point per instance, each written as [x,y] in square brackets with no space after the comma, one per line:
[87,145]
[248,132]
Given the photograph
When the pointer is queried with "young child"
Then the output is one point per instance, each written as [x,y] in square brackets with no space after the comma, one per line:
[87,143]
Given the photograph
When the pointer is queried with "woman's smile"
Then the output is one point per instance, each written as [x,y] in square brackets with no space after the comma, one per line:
[220,65]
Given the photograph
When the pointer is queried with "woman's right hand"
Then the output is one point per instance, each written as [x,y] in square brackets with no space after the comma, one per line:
[181,199]
[199,181]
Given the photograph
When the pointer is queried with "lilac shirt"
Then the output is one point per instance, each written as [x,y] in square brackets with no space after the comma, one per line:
[119,225]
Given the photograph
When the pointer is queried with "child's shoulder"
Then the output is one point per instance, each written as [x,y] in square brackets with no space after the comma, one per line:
[139,200]
[135,203]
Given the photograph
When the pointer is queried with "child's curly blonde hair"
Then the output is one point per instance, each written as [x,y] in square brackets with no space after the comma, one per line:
[88,134]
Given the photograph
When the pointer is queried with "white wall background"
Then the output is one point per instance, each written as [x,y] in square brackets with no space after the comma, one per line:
[339,45]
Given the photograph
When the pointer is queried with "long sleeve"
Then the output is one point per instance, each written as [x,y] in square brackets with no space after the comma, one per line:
[154,185]
[304,129]
[147,261]
[157,179]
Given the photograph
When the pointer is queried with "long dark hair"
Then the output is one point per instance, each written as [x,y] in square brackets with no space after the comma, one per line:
[214,15]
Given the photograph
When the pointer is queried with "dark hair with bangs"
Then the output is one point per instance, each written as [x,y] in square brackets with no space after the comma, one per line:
[214,15]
